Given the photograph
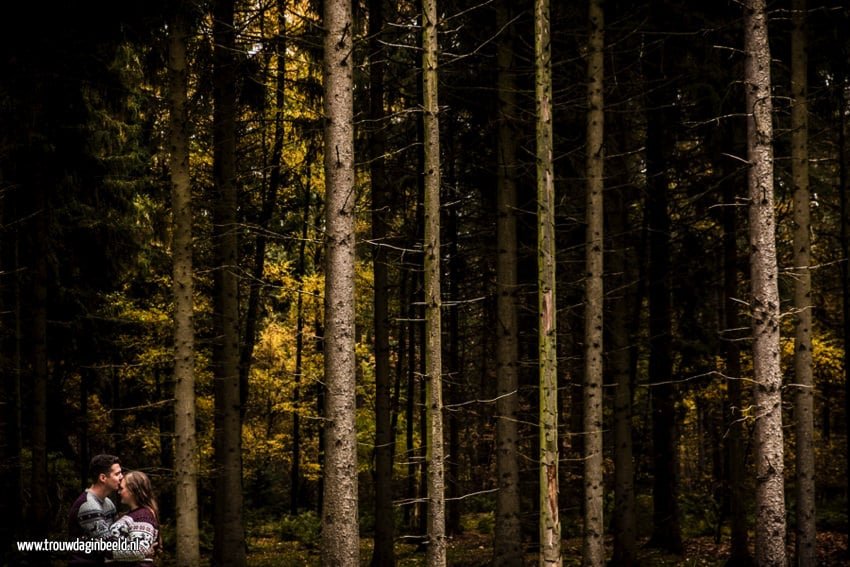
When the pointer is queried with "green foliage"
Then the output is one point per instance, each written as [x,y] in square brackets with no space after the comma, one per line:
[305,528]
[701,513]
[482,522]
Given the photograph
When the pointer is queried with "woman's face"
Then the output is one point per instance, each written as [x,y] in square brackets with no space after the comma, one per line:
[127,496]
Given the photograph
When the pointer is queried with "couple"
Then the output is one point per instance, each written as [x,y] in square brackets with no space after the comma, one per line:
[92,516]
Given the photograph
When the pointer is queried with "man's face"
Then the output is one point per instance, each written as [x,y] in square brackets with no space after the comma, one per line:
[114,478]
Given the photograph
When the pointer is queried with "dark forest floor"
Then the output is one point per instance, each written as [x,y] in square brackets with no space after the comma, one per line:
[473,549]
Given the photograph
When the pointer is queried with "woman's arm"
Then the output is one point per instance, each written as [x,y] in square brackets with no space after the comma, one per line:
[136,538]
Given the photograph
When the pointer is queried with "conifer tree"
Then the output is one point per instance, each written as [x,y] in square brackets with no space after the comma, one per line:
[186,445]
[434,458]
[340,534]
[764,302]
[507,549]
[550,523]
[594,549]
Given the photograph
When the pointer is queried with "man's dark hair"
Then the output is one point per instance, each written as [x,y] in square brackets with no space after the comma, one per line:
[101,464]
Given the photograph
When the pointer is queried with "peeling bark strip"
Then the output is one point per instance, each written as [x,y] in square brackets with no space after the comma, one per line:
[770,491]
[341,542]
[547,316]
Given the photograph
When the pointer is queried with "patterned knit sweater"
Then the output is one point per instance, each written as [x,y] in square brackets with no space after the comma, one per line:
[90,518]
[139,528]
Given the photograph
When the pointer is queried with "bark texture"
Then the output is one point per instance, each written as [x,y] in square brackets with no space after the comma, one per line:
[550,523]
[806,541]
[434,458]
[594,549]
[384,554]
[340,534]
[229,545]
[186,446]
[507,549]
[624,520]
[764,303]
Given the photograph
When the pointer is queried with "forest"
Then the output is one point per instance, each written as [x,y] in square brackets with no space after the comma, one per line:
[430,282]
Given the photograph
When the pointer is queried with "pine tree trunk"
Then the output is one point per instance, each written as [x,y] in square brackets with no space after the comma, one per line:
[410,511]
[624,520]
[434,458]
[10,377]
[550,523]
[14,393]
[507,550]
[594,549]
[39,499]
[295,468]
[806,541]
[7,427]
[770,492]
[739,538]
[623,266]
[267,209]
[842,73]
[164,384]
[384,553]
[453,388]
[186,446]
[229,545]
[340,539]
[666,531]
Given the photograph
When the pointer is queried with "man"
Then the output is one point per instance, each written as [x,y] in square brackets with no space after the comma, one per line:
[93,512]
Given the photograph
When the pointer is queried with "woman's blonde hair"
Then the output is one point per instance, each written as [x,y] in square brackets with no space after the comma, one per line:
[139,484]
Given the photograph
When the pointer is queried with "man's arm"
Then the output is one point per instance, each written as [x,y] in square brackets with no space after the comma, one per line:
[95,518]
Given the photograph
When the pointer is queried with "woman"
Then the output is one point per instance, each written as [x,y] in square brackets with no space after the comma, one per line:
[137,532]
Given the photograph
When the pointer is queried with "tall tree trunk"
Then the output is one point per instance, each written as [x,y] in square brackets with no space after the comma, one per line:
[252,310]
[321,398]
[594,549]
[85,457]
[770,491]
[384,553]
[39,502]
[424,424]
[550,523]
[507,549]
[806,541]
[410,405]
[10,384]
[339,516]
[229,545]
[295,468]
[164,384]
[434,458]
[739,554]
[624,520]
[842,73]
[666,531]
[186,445]
[454,388]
